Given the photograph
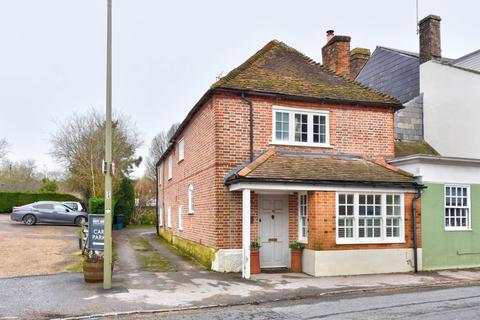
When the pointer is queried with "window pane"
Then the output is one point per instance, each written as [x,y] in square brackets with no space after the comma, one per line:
[301,127]
[281,126]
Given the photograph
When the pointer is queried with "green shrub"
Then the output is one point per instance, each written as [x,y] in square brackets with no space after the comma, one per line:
[49,185]
[8,200]
[125,199]
[96,206]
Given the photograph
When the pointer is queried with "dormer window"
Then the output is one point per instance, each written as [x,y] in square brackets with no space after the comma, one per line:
[300,127]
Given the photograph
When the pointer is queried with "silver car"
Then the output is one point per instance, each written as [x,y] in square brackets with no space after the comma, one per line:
[48,212]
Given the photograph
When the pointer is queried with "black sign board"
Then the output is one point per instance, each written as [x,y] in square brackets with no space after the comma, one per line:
[96,229]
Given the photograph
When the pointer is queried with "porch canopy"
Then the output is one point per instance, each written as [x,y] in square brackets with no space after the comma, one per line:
[289,171]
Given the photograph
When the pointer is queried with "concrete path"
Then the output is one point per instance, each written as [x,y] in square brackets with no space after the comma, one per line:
[63,295]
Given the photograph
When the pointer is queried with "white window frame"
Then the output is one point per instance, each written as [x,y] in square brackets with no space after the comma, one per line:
[160,217]
[170,167]
[181,149]
[383,234]
[291,127]
[301,238]
[468,227]
[191,200]
[160,174]
[180,217]
[169,217]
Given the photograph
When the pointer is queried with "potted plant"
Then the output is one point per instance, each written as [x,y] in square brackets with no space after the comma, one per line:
[296,257]
[254,258]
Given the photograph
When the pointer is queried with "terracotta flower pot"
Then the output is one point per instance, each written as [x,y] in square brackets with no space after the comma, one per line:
[254,261]
[296,263]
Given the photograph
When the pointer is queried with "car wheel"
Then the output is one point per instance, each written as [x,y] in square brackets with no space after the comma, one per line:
[29,220]
[80,221]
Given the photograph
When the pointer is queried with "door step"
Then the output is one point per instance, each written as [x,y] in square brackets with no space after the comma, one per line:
[274,270]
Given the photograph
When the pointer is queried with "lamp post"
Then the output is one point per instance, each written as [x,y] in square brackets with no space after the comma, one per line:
[107,254]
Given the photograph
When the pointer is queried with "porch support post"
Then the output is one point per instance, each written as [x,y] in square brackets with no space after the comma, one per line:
[246,234]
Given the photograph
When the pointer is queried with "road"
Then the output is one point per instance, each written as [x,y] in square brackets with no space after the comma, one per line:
[38,249]
[442,304]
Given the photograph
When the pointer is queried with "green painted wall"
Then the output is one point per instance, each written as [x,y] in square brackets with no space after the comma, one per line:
[448,249]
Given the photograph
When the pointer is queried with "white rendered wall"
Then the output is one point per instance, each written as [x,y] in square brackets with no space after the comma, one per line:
[352,262]
[451,106]
[443,172]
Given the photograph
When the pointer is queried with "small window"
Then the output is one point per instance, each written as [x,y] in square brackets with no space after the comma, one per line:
[170,167]
[457,207]
[301,127]
[181,150]
[302,217]
[160,174]
[180,218]
[169,217]
[160,217]
[190,200]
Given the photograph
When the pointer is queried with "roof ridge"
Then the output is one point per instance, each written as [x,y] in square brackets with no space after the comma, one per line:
[256,163]
[382,163]
[250,61]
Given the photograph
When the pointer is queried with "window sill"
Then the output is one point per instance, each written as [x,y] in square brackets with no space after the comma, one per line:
[457,229]
[300,144]
[393,241]
[304,241]
[190,213]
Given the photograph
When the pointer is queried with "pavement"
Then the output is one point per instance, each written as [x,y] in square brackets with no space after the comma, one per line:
[66,295]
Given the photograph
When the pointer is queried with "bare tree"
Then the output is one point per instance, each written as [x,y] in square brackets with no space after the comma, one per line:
[79,145]
[158,146]
[3,148]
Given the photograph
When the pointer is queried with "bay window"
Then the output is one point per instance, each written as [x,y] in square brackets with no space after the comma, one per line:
[300,127]
[370,218]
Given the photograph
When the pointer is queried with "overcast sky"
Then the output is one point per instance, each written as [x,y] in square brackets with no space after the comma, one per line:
[167,53]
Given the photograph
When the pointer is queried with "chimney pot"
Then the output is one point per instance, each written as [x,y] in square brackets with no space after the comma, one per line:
[330,35]
[430,46]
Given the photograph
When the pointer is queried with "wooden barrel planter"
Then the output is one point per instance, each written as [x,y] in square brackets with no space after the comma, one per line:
[93,270]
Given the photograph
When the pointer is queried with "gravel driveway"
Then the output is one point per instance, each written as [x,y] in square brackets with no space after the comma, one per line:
[35,250]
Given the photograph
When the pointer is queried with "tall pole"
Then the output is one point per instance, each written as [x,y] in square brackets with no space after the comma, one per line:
[107,258]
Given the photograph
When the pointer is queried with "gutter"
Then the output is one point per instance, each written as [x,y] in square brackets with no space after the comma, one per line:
[250,105]
[405,185]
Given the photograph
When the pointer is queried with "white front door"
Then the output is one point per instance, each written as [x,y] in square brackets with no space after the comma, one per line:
[273,224]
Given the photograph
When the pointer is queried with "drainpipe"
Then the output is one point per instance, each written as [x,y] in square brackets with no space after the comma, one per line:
[250,104]
[414,222]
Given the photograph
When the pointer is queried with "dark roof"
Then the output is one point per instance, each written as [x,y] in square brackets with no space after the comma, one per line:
[394,72]
[280,69]
[407,148]
[469,61]
[312,168]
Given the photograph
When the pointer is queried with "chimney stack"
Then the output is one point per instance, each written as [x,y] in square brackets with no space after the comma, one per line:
[358,58]
[336,54]
[430,47]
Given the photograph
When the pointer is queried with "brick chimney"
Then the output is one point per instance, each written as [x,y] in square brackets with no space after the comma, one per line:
[358,58]
[336,54]
[430,47]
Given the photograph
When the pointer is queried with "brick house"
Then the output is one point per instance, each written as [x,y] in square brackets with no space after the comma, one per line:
[283,149]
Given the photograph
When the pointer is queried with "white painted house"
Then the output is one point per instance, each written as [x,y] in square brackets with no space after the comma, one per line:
[451,106]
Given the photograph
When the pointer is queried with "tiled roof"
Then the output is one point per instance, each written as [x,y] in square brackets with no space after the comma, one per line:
[407,148]
[299,167]
[280,69]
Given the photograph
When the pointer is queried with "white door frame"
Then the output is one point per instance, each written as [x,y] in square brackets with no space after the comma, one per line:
[281,245]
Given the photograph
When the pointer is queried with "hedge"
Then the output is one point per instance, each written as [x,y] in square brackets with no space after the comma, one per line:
[97,206]
[8,200]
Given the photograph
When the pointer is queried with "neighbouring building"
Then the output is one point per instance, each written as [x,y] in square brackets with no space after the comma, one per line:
[282,150]
[450,209]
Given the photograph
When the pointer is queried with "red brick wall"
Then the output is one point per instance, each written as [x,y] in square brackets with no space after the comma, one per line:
[217,141]
[197,169]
